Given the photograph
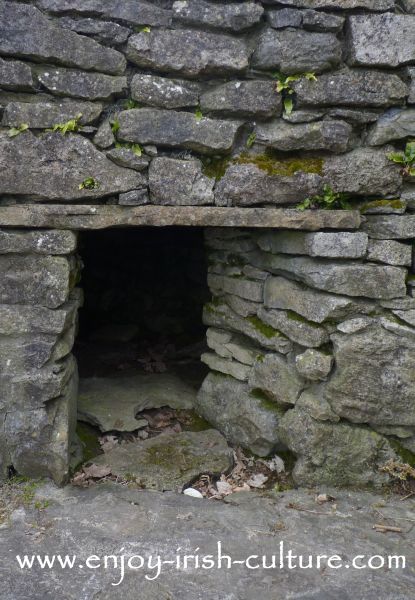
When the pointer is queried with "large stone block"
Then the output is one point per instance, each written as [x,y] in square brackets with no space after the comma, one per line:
[351,87]
[26,32]
[334,453]
[230,17]
[248,185]
[326,244]
[44,115]
[222,316]
[134,12]
[179,182]
[227,366]
[390,252]
[161,92]
[245,418]
[81,84]
[15,75]
[188,52]
[351,279]
[277,378]
[177,130]
[364,171]
[396,124]
[374,379]
[42,241]
[252,99]
[334,136]
[294,327]
[375,5]
[246,288]
[381,40]
[394,227]
[105,32]
[296,51]
[54,167]
[313,305]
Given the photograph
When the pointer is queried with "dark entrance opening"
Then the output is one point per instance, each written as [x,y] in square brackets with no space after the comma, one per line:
[140,331]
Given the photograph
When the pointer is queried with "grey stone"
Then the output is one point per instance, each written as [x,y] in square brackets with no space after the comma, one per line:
[45,115]
[223,317]
[244,308]
[179,182]
[384,207]
[255,98]
[354,115]
[80,84]
[170,461]
[406,315]
[177,130]
[334,453]
[351,87]
[296,51]
[364,171]
[373,381]
[37,242]
[43,280]
[230,17]
[395,227]
[314,365]
[248,185]
[338,244]
[246,288]
[313,305]
[15,75]
[373,5]
[244,417]
[134,198]
[231,345]
[334,136]
[104,137]
[107,515]
[354,325]
[188,52]
[313,402]
[26,32]
[408,5]
[314,20]
[395,124]
[303,116]
[390,252]
[411,74]
[106,32]
[294,327]
[284,17]
[277,378]
[227,366]
[129,11]
[351,279]
[161,92]
[125,157]
[381,40]
[113,403]
[56,165]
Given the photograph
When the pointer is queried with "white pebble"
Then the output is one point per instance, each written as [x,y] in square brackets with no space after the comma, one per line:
[192,492]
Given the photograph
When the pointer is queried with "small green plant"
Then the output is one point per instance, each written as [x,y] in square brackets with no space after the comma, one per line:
[136,148]
[198,114]
[71,125]
[405,158]
[89,184]
[13,131]
[328,200]
[251,140]
[143,29]
[130,103]
[115,126]
[284,87]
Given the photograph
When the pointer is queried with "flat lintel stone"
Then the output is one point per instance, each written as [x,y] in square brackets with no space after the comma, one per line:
[78,217]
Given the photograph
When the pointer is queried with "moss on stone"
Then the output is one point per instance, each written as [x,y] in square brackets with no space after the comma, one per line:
[296,317]
[215,166]
[89,437]
[285,167]
[266,330]
[404,454]
[395,203]
[265,401]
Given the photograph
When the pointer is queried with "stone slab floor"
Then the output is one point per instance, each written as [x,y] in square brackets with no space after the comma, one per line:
[111,519]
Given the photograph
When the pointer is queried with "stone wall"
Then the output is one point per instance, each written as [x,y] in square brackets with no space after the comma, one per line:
[312,347]
[38,375]
[176,103]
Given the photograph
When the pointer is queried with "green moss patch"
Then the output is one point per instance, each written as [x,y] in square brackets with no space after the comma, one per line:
[266,330]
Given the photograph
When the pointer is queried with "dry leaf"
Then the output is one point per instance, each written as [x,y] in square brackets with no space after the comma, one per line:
[97,471]
[257,480]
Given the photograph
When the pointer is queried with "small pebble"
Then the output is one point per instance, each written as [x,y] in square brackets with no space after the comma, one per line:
[192,492]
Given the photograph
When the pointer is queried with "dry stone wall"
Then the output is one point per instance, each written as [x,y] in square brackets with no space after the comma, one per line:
[195,103]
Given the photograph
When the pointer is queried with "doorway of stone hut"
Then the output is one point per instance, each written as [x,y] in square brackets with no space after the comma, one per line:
[140,334]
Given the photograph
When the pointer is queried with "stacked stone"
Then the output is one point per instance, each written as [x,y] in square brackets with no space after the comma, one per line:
[38,375]
[179,105]
[312,346]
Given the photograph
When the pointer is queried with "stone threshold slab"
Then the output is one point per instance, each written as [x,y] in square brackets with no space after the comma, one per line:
[80,217]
